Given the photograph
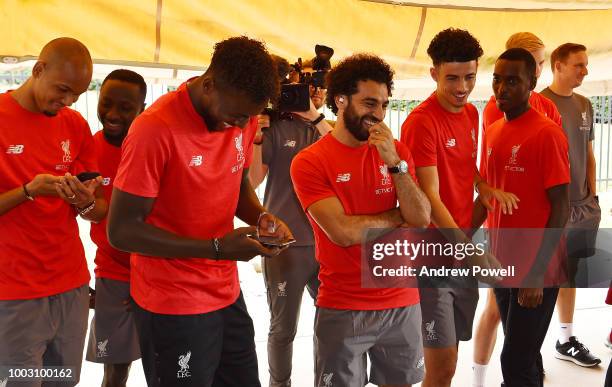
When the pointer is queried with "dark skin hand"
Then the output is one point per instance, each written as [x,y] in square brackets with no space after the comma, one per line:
[128,231]
[558,197]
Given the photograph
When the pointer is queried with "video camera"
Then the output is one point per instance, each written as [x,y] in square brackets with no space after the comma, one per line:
[295,97]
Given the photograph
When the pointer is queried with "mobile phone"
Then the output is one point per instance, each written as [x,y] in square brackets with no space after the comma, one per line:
[270,242]
[84,176]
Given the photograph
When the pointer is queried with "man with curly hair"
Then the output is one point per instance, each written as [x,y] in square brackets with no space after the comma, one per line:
[339,185]
[182,178]
[442,134]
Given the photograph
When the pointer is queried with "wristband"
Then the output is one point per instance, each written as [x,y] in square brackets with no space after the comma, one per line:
[87,208]
[320,118]
[26,193]
[217,246]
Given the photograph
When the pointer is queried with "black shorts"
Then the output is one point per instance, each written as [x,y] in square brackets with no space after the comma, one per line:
[208,349]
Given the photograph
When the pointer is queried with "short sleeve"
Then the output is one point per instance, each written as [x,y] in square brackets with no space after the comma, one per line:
[554,114]
[592,130]
[267,145]
[144,155]
[86,160]
[309,180]
[490,114]
[418,134]
[249,135]
[554,157]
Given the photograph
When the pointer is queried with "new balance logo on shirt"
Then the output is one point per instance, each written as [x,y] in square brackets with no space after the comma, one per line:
[106,181]
[343,177]
[451,142]
[290,143]
[196,161]
[15,149]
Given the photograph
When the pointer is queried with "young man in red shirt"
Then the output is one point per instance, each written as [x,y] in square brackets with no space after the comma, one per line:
[526,154]
[347,182]
[486,329]
[442,135]
[45,144]
[113,339]
[182,178]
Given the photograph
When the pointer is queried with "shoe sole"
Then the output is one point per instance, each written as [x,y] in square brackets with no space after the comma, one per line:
[569,358]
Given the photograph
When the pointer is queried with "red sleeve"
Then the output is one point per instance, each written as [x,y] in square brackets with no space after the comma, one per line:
[309,180]
[404,154]
[553,112]
[86,160]
[249,135]
[490,114]
[144,154]
[418,133]
[554,157]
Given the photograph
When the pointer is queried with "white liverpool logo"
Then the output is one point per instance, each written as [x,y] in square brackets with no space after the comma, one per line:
[282,289]
[384,171]
[184,364]
[515,150]
[431,332]
[239,147]
[102,348]
[327,379]
[66,148]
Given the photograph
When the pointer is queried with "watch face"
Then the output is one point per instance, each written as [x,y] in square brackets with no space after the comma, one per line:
[403,166]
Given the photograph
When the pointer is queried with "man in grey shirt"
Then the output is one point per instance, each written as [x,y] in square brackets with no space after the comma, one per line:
[295,268]
[569,65]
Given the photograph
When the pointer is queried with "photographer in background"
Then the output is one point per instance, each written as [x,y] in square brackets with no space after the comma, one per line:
[285,134]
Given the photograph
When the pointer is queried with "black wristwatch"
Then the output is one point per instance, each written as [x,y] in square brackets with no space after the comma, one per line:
[401,168]
[320,118]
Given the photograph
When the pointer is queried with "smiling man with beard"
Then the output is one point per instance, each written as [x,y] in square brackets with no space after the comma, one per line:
[113,339]
[348,181]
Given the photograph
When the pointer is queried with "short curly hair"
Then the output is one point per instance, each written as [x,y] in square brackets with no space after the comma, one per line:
[454,45]
[343,78]
[245,64]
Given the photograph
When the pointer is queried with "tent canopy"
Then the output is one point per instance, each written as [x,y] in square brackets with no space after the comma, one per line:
[181,34]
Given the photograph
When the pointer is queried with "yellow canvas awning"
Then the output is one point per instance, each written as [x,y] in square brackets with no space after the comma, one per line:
[180,34]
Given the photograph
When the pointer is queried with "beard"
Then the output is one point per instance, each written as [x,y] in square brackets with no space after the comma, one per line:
[356,125]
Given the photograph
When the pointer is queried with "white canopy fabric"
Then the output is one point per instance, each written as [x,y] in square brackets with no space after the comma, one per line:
[175,38]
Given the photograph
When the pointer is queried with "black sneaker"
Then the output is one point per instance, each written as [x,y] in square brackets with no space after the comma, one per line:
[575,351]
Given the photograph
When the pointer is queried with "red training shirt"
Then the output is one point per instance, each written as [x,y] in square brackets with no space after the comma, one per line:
[448,141]
[359,179]
[110,262]
[41,253]
[194,175]
[525,156]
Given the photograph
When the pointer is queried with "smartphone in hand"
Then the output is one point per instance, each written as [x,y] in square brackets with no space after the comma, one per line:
[84,176]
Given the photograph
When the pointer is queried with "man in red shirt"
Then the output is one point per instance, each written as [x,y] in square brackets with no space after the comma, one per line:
[442,135]
[486,330]
[347,182]
[182,178]
[113,339]
[44,292]
[526,154]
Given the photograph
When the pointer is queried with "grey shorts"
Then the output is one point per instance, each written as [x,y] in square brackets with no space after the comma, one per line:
[47,331]
[113,338]
[345,338]
[448,315]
